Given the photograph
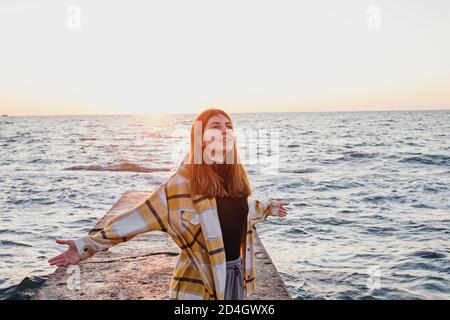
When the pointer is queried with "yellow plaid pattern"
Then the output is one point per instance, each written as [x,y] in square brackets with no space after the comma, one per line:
[192,222]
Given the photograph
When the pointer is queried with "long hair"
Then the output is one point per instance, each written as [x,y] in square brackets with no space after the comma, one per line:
[203,178]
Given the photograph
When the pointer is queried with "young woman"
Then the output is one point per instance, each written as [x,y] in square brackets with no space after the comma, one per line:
[207,209]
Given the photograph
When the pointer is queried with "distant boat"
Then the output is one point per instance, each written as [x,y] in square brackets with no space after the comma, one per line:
[4,115]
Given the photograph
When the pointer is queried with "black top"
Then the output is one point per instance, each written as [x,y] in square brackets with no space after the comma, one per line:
[233,219]
[233,222]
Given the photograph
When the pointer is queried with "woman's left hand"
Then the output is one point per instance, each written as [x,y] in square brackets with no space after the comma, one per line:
[282,211]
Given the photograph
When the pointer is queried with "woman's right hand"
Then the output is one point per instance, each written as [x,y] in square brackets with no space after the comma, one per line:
[69,257]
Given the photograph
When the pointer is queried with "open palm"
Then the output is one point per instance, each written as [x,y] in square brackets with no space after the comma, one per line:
[69,257]
[282,211]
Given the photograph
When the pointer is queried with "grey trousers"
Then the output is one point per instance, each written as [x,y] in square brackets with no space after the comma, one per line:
[234,287]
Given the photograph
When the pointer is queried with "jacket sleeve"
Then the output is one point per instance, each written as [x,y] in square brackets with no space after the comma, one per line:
[149,215]
[259,210]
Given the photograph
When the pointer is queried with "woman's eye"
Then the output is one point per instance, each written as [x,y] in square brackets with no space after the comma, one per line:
[219,127]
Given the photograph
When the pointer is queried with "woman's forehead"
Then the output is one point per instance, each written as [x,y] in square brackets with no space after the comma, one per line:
[220,118]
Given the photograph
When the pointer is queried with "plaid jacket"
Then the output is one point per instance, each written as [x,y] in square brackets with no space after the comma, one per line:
[192,222]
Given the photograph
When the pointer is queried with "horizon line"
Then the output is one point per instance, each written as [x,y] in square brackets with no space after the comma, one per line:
[236,112]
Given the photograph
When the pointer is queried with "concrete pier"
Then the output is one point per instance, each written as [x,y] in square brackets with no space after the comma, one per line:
[142,268]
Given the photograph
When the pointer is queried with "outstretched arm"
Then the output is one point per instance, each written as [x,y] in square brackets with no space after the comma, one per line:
[149,215]
[259,210]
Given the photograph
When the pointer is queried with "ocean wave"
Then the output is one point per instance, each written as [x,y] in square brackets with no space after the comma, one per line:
[297,171]
[9,243]
[431,159]
[125,166]
[429,229]
[384,199]
[14,231]
[433,286]
[380,230]
[422,206]
[358,154]
[332,221]
[160,135]
[23,201]
[347,156]
[412,265]
[428,254]
[338,185]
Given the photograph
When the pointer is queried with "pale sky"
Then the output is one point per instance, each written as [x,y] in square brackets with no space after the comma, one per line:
[147,57]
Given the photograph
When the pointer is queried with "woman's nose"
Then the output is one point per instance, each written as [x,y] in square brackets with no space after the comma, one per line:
[223,132]
[226,135]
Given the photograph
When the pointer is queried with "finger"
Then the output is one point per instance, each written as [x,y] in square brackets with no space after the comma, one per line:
[68,242]
[57,257]
[61,257]
[62,264]
[56,261]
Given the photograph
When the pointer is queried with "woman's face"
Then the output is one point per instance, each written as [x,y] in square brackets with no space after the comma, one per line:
[218,139]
